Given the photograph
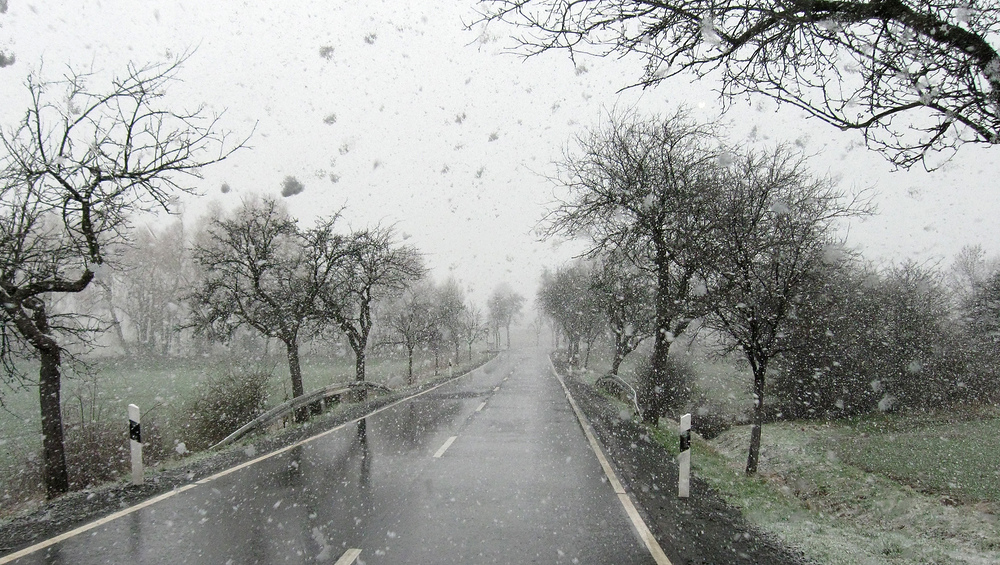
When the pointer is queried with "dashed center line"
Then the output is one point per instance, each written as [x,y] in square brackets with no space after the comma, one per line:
[348,557]
[480,407]
[445,447]
[496,389]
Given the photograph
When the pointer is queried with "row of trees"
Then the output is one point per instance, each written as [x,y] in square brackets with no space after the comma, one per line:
[725,235]
[84,162]
[261,270]
[436,318]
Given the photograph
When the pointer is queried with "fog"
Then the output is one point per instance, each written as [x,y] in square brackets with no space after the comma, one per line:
[404,116]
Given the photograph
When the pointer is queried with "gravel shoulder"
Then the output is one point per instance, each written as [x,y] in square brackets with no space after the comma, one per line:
[702,529]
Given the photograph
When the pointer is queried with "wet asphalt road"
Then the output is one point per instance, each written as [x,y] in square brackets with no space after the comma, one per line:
[517,484]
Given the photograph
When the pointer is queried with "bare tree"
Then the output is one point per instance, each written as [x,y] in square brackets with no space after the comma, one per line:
[645,189]
[568,298]
[504,306]
[156,272]
[624,294]
[776,222]
[75,168]
[374,267]
[412,321]
[449,305]
[473,327]
[969,270]
[260,270]
[914,77]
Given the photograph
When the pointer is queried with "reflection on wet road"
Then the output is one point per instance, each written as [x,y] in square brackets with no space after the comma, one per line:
[516,483]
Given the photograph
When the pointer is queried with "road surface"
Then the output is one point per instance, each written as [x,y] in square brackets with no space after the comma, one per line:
[491,468]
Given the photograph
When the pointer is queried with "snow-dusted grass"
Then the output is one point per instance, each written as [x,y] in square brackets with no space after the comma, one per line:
[837,513]
[959,460]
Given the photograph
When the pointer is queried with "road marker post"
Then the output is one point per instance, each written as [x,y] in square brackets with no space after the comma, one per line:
[684,459]
[135,442]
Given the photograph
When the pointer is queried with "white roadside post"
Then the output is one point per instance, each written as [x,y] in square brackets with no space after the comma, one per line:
[684,459]
[135,441]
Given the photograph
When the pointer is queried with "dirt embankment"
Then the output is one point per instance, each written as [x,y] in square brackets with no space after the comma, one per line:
[702,529]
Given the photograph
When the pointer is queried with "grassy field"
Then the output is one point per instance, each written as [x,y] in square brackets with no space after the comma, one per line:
[162,388]
[959,460]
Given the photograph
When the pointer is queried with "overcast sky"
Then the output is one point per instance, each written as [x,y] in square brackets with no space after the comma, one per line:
[397,112]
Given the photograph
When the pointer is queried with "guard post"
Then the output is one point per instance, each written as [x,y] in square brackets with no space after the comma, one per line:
[684,459]
[135,442]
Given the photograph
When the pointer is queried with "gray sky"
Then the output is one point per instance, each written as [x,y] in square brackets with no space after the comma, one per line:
[394,111]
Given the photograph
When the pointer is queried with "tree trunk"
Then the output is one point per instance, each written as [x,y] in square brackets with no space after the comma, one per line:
[37,330]
[616,362]
[508,336]
[409,369]
[470,352]
[753,458]
[659,389]
[295,371]
[359,366]
[54,455]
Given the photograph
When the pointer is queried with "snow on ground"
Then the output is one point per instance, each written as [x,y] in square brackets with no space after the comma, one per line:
[839,514]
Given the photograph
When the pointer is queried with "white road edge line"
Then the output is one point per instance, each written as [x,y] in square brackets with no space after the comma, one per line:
[633,513]
[125,512]
[445,447]
[348,557]
[480,407]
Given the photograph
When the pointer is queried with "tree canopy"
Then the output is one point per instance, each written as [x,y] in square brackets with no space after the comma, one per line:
[914,77]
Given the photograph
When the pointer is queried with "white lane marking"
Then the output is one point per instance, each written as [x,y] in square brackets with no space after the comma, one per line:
[496,389]
[125,512]
[348,557]
[91,525]
[633,513]
[445,447]
[480,407]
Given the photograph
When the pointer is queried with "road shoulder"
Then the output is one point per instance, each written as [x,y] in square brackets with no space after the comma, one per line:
[700,529]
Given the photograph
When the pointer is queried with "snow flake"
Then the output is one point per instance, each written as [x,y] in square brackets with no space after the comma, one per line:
[780,207]
[708,33]
[963,14]
[726,159]
[886,403]
[291,186]
[829,25]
